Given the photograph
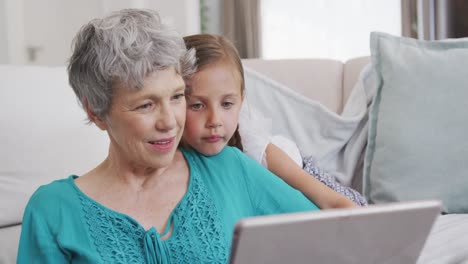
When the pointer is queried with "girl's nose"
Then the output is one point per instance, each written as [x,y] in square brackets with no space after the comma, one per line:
[213,120]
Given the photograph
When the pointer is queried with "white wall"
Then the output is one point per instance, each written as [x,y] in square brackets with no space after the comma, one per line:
[214,15]
[183,15]
[13,39]
[49,28]
[40,32]
[3,32]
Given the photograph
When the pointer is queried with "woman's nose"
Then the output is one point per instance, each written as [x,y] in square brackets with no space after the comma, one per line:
[166,120]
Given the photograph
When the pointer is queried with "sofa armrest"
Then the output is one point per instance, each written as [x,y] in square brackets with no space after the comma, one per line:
[352,69]
[9,241]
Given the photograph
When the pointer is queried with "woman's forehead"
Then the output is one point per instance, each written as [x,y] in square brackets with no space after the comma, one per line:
[159,83]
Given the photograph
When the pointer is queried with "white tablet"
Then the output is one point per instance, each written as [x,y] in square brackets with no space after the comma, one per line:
[390,233]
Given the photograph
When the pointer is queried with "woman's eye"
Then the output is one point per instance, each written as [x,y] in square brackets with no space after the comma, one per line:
[145,106]
[179,96]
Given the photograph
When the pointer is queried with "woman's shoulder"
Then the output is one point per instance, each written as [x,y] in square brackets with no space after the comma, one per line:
[52,193]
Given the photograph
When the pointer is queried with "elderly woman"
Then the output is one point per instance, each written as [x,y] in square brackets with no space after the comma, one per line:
[148,201]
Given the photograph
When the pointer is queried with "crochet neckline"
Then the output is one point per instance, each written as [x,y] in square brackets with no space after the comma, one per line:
[71,180]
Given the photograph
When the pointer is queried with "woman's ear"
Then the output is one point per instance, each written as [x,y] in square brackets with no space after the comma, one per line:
[99,122]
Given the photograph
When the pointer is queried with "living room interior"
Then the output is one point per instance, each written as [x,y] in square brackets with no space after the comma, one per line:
[314,67]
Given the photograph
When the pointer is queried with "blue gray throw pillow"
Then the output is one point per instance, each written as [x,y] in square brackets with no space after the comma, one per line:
[418,133]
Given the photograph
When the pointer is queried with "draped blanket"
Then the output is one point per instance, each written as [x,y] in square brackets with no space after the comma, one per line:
[335,142]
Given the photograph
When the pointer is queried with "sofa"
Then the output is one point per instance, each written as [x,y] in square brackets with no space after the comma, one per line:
[45,137]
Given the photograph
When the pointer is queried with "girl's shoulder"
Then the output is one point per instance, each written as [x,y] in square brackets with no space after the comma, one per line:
[227,151]
[227,160]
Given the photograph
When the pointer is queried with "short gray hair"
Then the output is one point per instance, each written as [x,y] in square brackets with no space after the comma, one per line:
[124,47]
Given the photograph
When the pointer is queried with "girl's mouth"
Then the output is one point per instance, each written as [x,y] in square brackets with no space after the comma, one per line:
[213,139]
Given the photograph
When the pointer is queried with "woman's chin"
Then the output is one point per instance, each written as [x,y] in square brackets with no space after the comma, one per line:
[160,159]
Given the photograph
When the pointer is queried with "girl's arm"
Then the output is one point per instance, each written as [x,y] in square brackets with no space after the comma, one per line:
[282,165]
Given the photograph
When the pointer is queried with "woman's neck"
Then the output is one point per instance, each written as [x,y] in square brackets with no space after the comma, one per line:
[149,198]
[114,169]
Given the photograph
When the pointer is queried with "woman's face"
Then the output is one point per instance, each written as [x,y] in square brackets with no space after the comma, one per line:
[213,105]
[145,126]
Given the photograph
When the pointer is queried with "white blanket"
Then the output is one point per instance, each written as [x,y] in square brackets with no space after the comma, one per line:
[335,141]
[447,242]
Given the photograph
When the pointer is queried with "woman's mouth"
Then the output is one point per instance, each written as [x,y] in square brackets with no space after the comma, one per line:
[163,145]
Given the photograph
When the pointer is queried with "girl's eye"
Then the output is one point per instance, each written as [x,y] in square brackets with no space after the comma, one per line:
[196,106]
[227,104]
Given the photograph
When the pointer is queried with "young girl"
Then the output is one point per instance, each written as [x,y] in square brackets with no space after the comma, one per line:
[215,93]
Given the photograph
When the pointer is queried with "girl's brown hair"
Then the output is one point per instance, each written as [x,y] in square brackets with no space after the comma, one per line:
[211,49]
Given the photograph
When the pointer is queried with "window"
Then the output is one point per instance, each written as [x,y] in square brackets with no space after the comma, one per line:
[336,29]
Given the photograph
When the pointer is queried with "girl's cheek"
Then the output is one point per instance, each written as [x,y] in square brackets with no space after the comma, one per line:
[192,123]
[192,119]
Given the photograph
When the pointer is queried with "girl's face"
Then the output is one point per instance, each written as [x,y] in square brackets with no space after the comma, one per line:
[214,101]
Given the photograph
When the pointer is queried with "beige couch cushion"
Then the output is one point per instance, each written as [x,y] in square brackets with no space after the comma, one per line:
[317,79]
[352,69]
[9,241]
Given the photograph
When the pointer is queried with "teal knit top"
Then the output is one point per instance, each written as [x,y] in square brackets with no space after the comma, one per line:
[61,224]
